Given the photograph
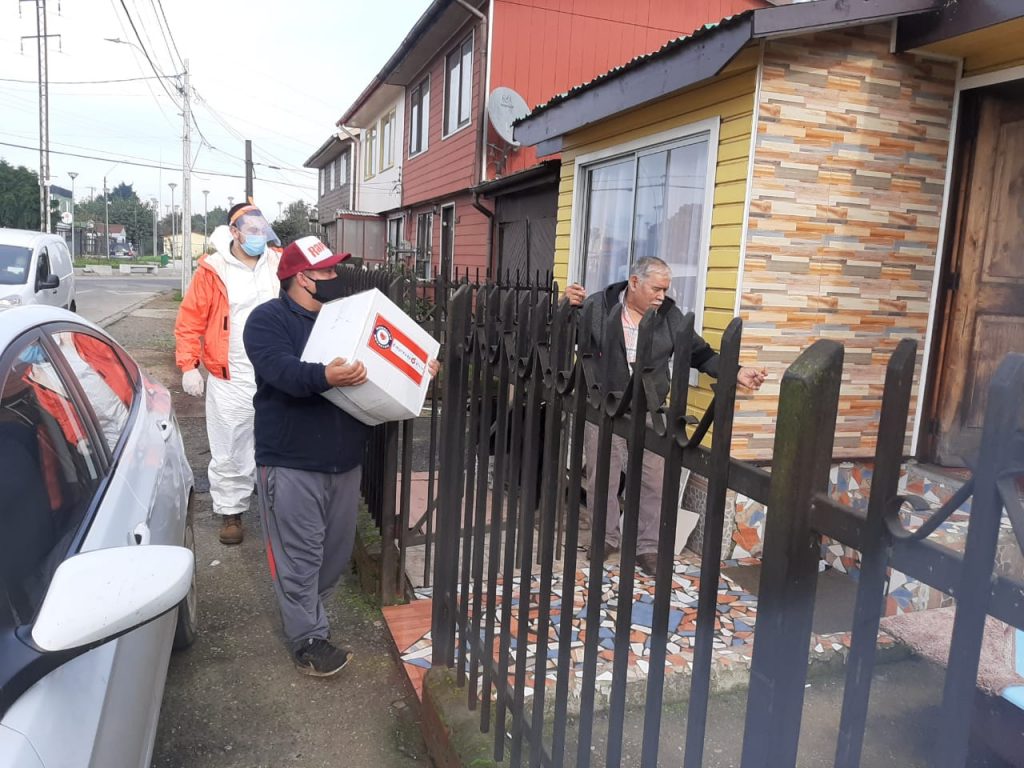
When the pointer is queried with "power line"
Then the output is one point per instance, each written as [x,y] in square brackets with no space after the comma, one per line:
[142,47]
[163,35]
[169,33]
[149,87]
[83,82]
[159,166]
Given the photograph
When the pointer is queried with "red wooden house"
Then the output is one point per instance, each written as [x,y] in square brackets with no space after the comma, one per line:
[469,198]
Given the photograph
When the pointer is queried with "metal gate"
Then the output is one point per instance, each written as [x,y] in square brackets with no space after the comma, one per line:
[520,381]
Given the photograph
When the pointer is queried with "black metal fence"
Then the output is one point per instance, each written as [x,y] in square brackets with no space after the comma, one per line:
[521,381]
[401,454]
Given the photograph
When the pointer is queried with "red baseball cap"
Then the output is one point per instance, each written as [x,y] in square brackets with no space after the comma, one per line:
[307,253]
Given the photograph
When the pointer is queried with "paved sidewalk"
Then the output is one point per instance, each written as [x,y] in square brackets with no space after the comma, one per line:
[234,699]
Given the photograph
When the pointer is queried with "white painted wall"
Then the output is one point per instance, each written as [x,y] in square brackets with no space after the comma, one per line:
[383,191]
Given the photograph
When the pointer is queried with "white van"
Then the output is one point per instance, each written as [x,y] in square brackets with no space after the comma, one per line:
[35,268]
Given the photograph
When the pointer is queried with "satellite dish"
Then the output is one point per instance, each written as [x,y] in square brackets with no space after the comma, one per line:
[504,107]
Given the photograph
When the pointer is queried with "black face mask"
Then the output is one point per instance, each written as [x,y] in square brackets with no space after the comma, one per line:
[327,289]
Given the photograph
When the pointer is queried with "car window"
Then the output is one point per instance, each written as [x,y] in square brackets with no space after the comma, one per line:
[64,255]
[103,378]
[50,474]
[43,268]
[14,261]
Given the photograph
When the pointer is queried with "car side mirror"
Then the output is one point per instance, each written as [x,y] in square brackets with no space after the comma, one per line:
[100,595]
[48,283]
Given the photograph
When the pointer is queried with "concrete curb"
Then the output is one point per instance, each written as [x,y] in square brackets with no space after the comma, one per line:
[122,314]
[450,729]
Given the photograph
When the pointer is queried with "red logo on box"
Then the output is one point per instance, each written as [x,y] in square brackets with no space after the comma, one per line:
[398,349]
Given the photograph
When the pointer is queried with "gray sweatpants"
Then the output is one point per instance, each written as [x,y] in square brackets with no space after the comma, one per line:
[309,521]
[651,480]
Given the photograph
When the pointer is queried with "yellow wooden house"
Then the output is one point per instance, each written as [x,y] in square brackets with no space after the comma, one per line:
[820,170]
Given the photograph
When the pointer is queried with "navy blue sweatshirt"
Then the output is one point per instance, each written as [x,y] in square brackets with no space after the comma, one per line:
[295,426]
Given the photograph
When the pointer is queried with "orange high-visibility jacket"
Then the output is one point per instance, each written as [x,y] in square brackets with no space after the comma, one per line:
[203,326]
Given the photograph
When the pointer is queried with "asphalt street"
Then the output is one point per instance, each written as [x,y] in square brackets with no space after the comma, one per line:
[102,298]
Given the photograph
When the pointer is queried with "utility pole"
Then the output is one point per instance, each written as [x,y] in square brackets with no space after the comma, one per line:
[206,214]
[172,185]
[248,171]
[73,174]
[186,182]
[41,38]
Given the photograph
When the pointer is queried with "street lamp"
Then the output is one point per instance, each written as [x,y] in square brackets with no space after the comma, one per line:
[172,185]
[206,193]
[72,174]
[231,202]
[156,209]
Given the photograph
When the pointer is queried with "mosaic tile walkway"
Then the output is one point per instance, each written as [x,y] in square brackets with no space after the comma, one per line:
[850,484]
[733,637]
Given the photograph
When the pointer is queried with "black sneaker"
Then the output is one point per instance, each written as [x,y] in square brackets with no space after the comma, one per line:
[319,658]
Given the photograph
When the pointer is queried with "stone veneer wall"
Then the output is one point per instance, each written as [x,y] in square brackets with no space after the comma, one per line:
[846,197]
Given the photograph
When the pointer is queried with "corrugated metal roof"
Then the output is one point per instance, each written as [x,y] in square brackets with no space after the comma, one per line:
[637,61]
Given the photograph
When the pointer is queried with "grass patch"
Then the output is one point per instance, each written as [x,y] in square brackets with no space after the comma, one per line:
[90,262]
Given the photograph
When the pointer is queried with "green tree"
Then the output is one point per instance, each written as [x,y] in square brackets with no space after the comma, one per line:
[294,223]
[215,217]
[19,197]
[123,191]
[125,209]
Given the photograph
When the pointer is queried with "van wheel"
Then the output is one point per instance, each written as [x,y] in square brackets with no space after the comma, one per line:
[187,625]
[73,307]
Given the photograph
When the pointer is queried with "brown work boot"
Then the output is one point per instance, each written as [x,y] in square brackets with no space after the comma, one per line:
[608,553]
[648,563]
[231,530]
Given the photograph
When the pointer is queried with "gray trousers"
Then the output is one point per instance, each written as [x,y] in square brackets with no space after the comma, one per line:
[650,491]
[309,521]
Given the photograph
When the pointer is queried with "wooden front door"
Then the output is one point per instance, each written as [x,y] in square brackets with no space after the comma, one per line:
[984,318]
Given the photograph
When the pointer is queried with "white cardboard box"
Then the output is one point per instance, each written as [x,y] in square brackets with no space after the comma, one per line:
[371,328]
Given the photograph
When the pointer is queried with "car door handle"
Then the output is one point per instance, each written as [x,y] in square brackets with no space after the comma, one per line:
[140,535]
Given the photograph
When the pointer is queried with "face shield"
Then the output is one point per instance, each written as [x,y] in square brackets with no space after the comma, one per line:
[253,225]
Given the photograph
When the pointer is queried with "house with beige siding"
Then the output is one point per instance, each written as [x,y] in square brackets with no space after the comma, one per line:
[848,171]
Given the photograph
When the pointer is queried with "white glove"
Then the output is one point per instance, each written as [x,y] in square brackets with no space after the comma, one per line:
[192,383]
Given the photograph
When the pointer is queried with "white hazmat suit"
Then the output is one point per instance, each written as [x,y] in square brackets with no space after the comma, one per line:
[229,409]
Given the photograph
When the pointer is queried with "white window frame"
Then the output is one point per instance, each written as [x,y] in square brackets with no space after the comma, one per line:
[341,170]
[390,119]
[444,69]
[430,234]
[401,232]
[582,163]
[440,255]
[424,119]
[370,151]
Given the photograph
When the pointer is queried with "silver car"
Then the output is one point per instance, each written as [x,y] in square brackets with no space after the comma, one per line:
[97,576]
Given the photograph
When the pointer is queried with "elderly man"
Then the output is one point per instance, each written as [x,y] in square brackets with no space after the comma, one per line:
[647,288]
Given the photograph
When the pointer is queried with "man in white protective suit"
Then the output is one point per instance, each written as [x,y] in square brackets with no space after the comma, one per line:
[239,275]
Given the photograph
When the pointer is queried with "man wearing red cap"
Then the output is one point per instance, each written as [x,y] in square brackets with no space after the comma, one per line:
[308,454]
[230,282]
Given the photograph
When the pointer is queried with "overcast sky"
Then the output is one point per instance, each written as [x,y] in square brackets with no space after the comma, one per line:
[279,73]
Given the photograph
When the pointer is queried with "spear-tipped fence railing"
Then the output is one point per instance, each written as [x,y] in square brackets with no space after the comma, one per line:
[522,379]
